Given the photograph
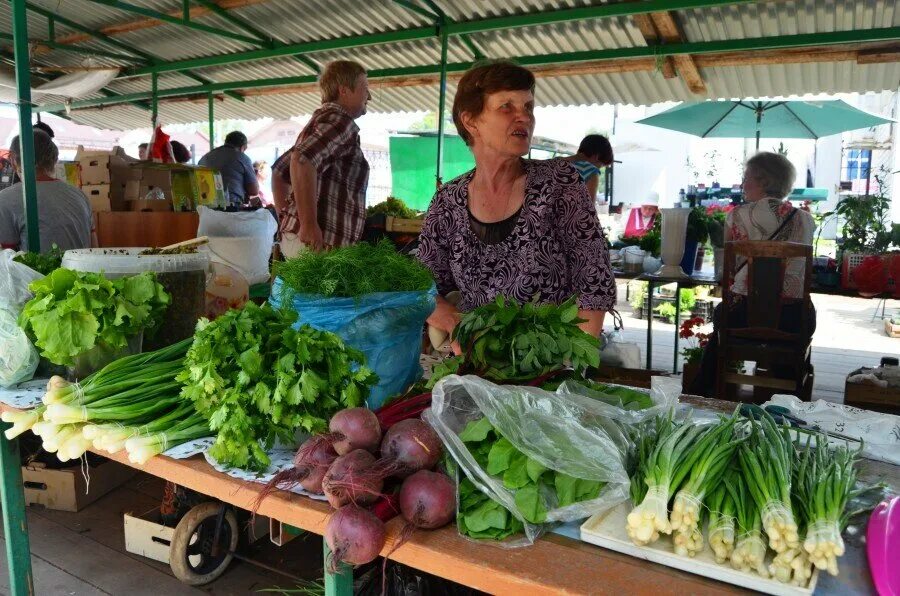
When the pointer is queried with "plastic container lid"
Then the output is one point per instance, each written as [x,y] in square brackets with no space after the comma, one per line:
[117,262]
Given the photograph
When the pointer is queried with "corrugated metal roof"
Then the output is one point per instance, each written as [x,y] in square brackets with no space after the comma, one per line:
[294,21]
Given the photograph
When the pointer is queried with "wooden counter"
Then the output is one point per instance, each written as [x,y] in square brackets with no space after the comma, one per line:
[144,228]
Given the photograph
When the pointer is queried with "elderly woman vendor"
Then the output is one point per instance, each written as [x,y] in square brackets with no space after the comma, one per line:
[512,226]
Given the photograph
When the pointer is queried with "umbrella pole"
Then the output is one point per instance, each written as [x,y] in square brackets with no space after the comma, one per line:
[758,124]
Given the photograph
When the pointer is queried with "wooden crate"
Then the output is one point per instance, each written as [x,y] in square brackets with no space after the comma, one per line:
[406,226]
[872,397]
[632,377]
[66,489]
[891,329]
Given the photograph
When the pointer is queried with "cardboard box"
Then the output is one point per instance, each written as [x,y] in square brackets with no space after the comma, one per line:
[66,489]
[99,197]
[149,205]
[872,397]
[146,536]
[131,190]
[104,167]
[891,329]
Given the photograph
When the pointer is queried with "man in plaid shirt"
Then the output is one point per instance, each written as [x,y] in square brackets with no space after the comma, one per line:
[319,185]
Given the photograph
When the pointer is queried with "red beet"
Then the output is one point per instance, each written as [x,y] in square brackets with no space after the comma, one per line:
[410,446]
[428,499]
[354,536]
[311,462]
[350,479]
[355,428]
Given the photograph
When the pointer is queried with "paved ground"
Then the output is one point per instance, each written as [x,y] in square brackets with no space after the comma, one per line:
[847,337]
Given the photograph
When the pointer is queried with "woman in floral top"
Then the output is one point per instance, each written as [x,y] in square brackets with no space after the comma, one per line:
[512,226]
[766,215]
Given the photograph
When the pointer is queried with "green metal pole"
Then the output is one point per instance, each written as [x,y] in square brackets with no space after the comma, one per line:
[212,120]
[442,101]
[339,583]
[26,133]
[15,524]
[154,99]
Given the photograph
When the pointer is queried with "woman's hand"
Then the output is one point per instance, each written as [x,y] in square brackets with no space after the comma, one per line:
[445,317]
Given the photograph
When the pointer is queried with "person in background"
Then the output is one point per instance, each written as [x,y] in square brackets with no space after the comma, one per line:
[144,151]
[281,182]
[327,170]
[641,219]
[512,227]
[595,152]
[43,126]
[260,167]
[232,162]
[181,153]
[766,216]
[64,213]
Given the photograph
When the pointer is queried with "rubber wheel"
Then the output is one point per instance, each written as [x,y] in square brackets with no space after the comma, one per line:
[190,553]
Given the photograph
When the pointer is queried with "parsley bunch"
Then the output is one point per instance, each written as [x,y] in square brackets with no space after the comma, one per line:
[256,379]
[504,341]
[43,263]
[72,312]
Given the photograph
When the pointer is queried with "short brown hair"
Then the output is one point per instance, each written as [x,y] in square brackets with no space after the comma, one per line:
[482,80]
[337,73]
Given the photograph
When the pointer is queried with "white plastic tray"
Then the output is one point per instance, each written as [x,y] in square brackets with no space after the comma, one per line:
[608,530]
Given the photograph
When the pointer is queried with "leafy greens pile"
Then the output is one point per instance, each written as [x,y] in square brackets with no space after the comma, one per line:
[256,379]
[614,395]
[505,341]
[394,207]
[535,487]
[72,312]
[43,263]
[352,271]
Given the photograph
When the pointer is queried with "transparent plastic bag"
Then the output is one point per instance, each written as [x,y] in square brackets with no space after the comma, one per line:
[14,280]
[664,393]
[568,433]
[18,356]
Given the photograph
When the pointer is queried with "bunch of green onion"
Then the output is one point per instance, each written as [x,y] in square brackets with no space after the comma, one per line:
[133,403]
[704,463]
[749,552]
[662,472]
[766,459]
[721,522]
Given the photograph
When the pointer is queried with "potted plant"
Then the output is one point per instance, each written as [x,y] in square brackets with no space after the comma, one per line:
[693,353]
[638,293]
[716,216]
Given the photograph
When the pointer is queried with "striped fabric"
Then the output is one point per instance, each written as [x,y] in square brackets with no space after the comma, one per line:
[585,169]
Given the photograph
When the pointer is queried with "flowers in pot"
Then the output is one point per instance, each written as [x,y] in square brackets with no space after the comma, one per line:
[697,340]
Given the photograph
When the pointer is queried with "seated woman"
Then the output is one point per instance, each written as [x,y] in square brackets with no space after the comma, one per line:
[641,219]
[768,179]
[512,227]
[594,153]
[64,214]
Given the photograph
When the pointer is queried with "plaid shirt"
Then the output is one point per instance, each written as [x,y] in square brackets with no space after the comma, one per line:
[330,142]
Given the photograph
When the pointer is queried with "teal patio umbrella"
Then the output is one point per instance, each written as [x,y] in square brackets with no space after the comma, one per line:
[771,119]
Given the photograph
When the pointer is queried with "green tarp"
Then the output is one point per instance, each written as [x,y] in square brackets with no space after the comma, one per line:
[413,161]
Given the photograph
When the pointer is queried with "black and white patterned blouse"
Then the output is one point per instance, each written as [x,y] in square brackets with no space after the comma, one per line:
[556,248]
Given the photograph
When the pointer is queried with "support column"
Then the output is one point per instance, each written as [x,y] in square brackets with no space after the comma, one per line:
[15,524]
[339,583]
[26,132]
[154,99]
[212,120]
[442,108]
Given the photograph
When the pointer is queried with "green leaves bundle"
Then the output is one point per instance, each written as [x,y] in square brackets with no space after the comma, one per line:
[535,488]
[256,379]
[43,263]
[352,271]
[505,341]
[72,312]
[394,207]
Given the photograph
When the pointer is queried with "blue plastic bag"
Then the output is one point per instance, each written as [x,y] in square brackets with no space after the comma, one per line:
[386,327]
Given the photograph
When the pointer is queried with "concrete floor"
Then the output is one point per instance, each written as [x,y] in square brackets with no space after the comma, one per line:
[846,338]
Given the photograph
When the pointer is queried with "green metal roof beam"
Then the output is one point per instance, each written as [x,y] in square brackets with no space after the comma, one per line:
[467,41]
[706,47]
[50,15]
[236,21]
[422,33]
[416,8]
[114,42]
[601,11]
[75,49]
[342,43]
[161,16]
